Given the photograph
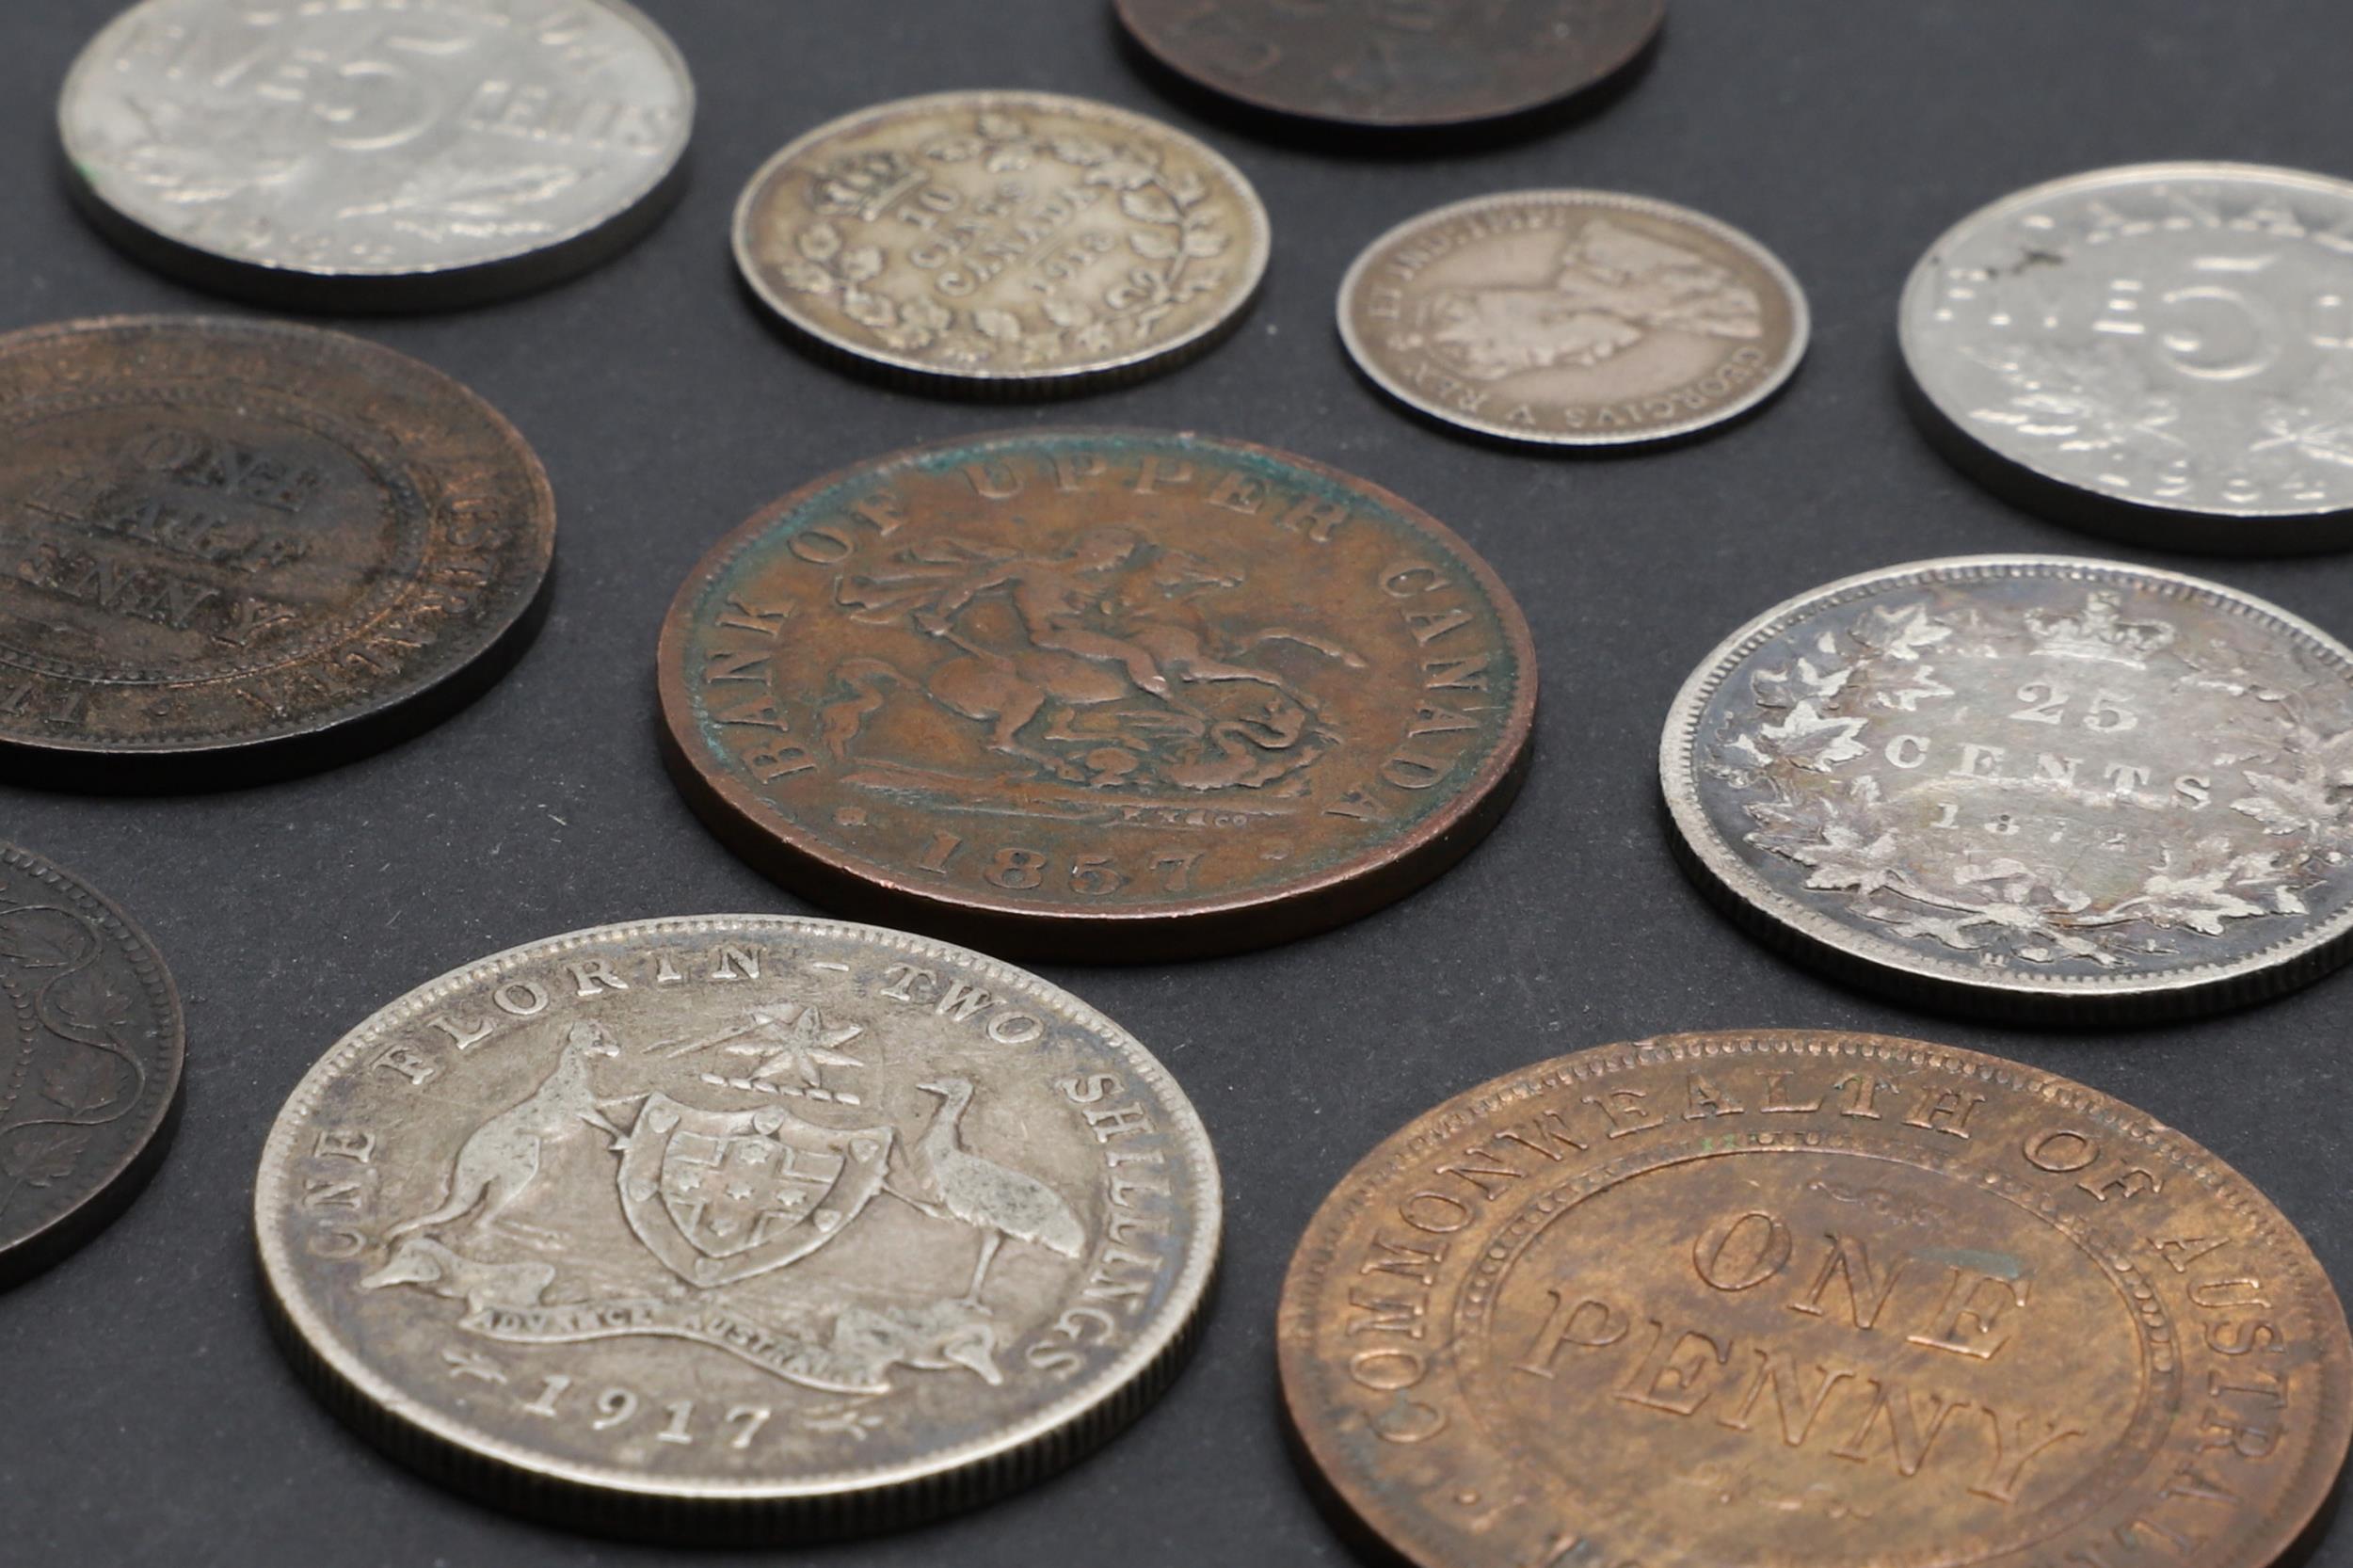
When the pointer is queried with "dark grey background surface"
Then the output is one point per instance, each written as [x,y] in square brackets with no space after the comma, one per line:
[145,1417]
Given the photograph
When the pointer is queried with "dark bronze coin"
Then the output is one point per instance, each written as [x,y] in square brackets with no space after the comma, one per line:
[1803,1298]
[236,547]
[1399,65]
[90,1045]
[1098,694]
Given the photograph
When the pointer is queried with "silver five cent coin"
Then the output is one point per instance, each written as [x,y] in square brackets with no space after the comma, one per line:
[2027,786]
[377,153]
[1572,318]
[740,1226]
[91,1044]
[1003,242]
[2163,353]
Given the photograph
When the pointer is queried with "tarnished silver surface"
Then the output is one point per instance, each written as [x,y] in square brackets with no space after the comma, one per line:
[2029,785]
[376,153]
[1572,318]
[738,1227]
[1002,242]
[2164,352]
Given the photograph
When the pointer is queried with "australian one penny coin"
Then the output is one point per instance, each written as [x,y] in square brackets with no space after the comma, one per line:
[2027,786]
[1003,242]
[90,1048]
[229,547]
[371,154]
[1572,318]
[1811,1300]
[2162,352]
[738,1228]
[1395,65]
[1098,694]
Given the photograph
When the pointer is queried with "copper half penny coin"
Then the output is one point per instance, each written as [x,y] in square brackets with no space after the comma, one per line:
[1811,1300]
[1395,65]
[1574,318]
[232,547]
[92,1042]
[1098,694]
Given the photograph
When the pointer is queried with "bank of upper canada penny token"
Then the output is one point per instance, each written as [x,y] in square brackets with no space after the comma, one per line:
[738,1228]
[2027,786]
[1101,695]
[1395,65]
[235,548]
[90,1048]
[1003,242]
[1572,318]
[1811,1300]
[376,154]
[2158,352]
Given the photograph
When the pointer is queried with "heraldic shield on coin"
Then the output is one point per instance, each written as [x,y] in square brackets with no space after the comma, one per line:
[91,1041]
[2030,786]
[739,1226]
[376,154]
[1102,694]
[2162,352]
[1574,318]
[1805,1300]
[234,548]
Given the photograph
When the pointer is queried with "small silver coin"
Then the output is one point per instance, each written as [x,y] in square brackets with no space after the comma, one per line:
[1002,243]
[738,1228]
[377,153]
[2027,786]
[2162,352]
[1571,318]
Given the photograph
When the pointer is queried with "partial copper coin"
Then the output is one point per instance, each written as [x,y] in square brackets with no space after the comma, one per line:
[1811,1300]
[91,1046]
[738,1228]
[236,547]
[1396,65]
[1003,242]
[1572,318]
[2029,786]
[376,154]
[1098,694]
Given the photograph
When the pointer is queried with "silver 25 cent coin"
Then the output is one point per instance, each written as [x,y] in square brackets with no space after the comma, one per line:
[92,1042]
[1001,244]
[2027,786]
[376,154]
[738,1228]
[2162,352]
[1572,318]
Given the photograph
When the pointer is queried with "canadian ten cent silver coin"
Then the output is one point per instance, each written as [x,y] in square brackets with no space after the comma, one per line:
[91,1043]
[1572,318]
[738,1227]
[1003,242]
[377,153]
[2030,786]
[2162,352]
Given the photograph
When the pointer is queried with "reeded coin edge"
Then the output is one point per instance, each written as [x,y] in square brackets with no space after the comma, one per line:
[662,176]
[2290,962]
[1097,372]
[97,1206]
[515,620]
[1921,285]
[1440,842]
[1766,386]
[854,1499]
[1311,1264]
